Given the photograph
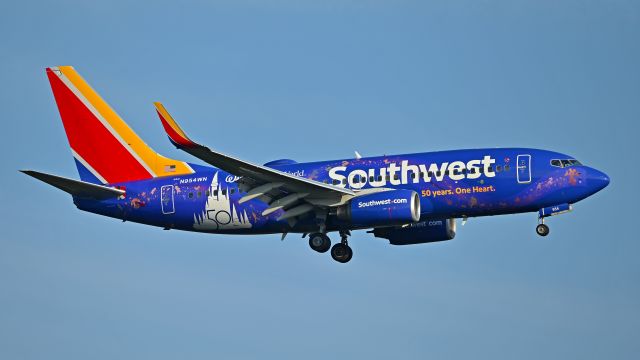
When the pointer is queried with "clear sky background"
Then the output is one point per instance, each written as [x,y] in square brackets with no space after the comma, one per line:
[314,80]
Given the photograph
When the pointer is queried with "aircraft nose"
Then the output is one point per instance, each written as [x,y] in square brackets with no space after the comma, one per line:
[598,179]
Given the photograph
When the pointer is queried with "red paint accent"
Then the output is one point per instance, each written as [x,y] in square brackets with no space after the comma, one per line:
[173,135]
[91,140]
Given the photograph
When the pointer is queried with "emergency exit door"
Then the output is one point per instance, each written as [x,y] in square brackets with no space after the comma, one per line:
[166,199]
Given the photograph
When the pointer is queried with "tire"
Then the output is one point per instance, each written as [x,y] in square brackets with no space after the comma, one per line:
[542,230]
[350,254]
[341,253]
[319,242]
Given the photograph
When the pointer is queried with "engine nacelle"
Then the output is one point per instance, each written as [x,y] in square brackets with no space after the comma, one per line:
[385,208]
[418,233]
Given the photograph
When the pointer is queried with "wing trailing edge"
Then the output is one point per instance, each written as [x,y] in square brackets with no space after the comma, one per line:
[261,174]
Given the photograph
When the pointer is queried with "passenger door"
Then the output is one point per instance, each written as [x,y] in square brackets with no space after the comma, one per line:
[523,169]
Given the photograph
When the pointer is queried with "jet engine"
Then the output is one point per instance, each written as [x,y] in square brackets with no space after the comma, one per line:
[385,208]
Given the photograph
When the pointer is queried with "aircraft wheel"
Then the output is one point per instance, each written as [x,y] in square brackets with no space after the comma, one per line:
[319,242]
[341,253]
[542,230]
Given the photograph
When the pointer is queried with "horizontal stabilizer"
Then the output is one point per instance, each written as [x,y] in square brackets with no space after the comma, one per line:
[76,187]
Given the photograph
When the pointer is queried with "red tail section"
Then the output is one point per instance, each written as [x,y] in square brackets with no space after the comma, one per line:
[105,148]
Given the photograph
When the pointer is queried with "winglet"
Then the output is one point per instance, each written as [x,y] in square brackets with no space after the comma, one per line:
[177,136]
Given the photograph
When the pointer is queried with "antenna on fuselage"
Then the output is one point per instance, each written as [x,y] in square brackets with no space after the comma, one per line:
[358,156]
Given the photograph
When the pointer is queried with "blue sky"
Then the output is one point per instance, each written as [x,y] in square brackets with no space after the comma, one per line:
[314,80]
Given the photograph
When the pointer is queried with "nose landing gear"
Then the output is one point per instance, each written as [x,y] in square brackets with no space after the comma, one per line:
[542,229]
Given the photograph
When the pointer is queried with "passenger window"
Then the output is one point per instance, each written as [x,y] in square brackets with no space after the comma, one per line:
[207,193]
[490,169]
[190,195]
[379,177]
[199,193]
[336,182]
[507,167]
[232,191]
[224,192]
[395,176]
[371,178]
[499,168]
[344,181]
[215,192]
[438,173]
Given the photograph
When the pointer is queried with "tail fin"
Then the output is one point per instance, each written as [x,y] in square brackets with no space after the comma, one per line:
[105,148]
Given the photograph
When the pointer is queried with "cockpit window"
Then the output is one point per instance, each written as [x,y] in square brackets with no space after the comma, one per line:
[562,163]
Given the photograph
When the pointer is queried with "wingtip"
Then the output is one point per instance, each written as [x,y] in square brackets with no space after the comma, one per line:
[175,133]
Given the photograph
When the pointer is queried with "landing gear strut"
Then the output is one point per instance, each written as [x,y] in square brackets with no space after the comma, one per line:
[319,242]
[542,229]
[341,252]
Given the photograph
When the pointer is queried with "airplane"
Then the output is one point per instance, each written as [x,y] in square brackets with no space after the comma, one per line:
[405,199]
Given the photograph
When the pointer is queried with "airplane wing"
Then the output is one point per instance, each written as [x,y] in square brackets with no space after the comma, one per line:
[271,185]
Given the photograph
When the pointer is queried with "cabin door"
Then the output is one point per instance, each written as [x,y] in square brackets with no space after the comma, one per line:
[524,169]
[166,199]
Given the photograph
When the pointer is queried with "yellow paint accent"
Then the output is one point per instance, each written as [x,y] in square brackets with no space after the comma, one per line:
[156,162]
[169,119]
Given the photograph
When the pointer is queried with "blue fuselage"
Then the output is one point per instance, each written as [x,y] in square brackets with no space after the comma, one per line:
[459,183]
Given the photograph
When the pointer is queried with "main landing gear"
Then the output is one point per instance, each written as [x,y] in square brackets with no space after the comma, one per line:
[319,242]
[340,252]
[542,229]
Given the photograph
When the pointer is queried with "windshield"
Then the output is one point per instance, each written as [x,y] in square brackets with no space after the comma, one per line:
[563,163]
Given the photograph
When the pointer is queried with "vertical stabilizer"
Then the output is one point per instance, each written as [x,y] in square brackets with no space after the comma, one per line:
[105,148]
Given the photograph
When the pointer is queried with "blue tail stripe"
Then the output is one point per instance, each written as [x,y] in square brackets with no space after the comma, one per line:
[85,174]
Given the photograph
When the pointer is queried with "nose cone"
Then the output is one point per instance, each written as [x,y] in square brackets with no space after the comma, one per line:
[597,180]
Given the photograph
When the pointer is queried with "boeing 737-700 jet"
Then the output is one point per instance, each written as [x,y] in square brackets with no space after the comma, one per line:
[406,199]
